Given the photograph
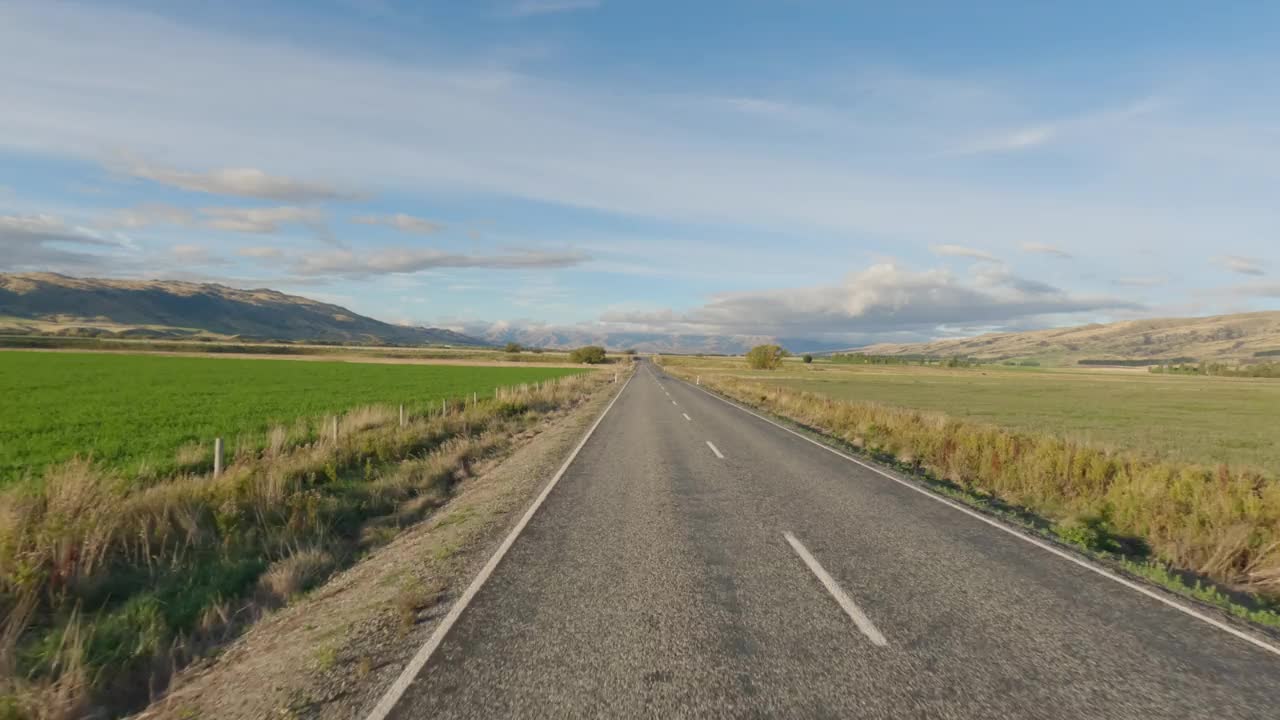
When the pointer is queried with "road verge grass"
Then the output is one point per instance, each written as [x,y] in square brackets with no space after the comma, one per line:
[108,586]
[1211,533]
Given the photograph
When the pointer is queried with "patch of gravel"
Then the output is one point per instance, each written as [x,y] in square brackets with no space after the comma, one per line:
[333,652]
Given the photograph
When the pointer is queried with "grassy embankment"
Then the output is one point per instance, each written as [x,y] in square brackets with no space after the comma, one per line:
[1167,518]
[110,581]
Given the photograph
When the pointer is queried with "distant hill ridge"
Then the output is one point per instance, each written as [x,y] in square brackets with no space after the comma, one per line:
[49,303]
[1240,338]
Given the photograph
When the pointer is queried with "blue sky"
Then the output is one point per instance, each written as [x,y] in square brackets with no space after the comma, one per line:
[845,172]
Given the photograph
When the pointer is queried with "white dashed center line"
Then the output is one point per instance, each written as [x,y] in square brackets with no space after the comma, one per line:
[850,607]
[715,450]
[686,417]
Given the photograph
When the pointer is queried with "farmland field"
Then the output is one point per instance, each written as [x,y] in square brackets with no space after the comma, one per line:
[135,412]
[1187,418]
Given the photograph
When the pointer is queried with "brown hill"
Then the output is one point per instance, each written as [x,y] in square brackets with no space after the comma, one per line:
[1241,338]
[49,303]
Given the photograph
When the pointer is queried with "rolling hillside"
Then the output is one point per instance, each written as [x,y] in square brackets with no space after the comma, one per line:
[53,304]
[1242,338]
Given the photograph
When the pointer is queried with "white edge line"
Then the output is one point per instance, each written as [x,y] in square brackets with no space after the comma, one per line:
[410,672]
[1185,609]
[851,608]
[715,450]
[686,417]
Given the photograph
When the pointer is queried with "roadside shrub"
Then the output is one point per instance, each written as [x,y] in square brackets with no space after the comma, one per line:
[513,347]
[588,354]
[807,358]
[765,357]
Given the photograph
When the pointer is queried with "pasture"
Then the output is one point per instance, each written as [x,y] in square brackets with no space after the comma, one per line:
[138,413]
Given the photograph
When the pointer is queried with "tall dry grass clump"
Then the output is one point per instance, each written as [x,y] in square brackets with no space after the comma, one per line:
[1219,522]
[108,583]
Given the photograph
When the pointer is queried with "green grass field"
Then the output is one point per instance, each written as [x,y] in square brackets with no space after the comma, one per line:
[1195,419]
[134,412]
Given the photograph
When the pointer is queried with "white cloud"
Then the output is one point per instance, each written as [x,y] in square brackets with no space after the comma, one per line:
[387,261]
[401,222]
[530,8]
[962,251]
[1242,265]
[881,300]
[1043,249]
[240,182]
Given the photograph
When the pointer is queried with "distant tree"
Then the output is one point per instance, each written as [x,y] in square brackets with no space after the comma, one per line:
[513,347]
[629,351]
[536,351]
[764,357]
[808,358]
[588,354]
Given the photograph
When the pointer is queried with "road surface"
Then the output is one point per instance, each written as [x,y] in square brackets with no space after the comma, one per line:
[697,561]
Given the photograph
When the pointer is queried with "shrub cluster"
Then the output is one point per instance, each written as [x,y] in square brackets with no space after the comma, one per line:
[588,354]
[765,357]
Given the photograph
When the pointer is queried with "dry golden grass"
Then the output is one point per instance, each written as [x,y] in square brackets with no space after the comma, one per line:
[300,571]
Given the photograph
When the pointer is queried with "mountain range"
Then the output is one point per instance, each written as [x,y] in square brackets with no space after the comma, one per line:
[1240,338]
[53,304]
[49,303]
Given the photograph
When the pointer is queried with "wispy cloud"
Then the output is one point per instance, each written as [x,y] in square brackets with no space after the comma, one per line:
[1242,265]
[189,254]
[38,242]
[962,251]
[390,261]
[260,220]
[1009,141]
[260,251]
[401,222]
[240,182]
[256,220]
[530,8]
[1043,249]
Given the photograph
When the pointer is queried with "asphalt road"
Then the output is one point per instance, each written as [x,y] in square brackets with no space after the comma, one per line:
[697,561]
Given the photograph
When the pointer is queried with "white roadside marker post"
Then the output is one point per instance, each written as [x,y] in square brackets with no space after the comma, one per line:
[401,414]
[335,429]
[217,457]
